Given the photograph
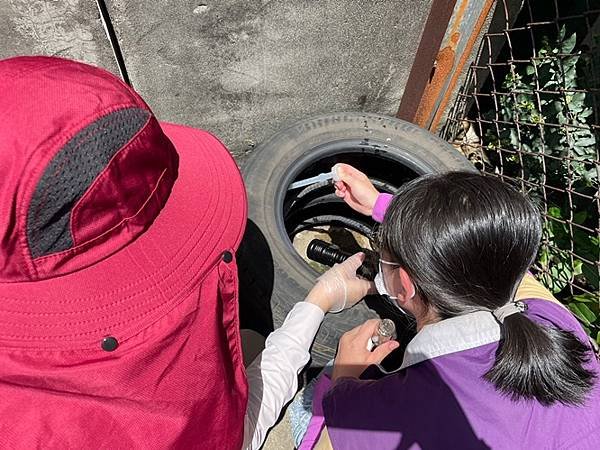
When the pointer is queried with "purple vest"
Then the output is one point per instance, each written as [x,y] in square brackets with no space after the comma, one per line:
[440,400]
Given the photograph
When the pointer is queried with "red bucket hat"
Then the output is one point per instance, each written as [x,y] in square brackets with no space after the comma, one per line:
[118,282]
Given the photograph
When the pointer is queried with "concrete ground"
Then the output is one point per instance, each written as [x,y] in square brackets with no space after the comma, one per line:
[280,436]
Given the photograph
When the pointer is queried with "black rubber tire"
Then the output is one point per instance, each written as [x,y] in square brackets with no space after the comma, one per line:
[274,165]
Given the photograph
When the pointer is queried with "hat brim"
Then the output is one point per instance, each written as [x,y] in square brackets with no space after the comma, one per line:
[126,293]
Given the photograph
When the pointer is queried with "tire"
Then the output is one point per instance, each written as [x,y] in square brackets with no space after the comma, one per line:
[276,163]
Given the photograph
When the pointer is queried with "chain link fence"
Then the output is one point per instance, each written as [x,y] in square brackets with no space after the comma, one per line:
[529,113]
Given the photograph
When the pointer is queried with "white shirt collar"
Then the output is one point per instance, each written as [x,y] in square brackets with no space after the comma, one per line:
[449,336]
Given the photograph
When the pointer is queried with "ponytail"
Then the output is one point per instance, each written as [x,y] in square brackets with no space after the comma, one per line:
[541,363]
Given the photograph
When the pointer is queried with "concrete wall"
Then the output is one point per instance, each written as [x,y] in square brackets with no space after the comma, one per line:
[241,69]
[68,28]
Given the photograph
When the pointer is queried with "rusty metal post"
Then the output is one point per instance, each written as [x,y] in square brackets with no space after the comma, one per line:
[432,92]
[423,64]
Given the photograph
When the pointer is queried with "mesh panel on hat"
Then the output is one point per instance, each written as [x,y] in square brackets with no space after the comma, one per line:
[70,174]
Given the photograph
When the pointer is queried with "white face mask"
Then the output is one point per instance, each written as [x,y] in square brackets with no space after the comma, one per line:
[380,285]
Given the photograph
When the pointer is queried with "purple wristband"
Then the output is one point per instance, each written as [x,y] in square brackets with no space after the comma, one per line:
[381,205]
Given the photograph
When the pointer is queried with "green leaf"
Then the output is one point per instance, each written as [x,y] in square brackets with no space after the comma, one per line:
[583,313]
[561,36]
[514,138]
[576,99]
[588,313]
[598,338]
[568,44]
[569,72]
[574,307]
[584,298]
[579,217]
[555,212]
[591,175]
[586,142]
[577,264]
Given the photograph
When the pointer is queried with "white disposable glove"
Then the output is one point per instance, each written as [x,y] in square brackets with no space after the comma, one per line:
[340,288]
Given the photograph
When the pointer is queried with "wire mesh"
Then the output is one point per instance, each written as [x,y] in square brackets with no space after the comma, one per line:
[529,113]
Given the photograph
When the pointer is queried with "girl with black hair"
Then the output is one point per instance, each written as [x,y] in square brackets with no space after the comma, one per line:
[497,361]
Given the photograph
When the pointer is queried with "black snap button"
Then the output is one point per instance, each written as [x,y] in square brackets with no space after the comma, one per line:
[109,344]
[227,257]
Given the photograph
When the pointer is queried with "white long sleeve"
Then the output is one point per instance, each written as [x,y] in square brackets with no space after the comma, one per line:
[273,375]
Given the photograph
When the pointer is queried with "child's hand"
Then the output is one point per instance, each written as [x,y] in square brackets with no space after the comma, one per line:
[355,188]
[353,357]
